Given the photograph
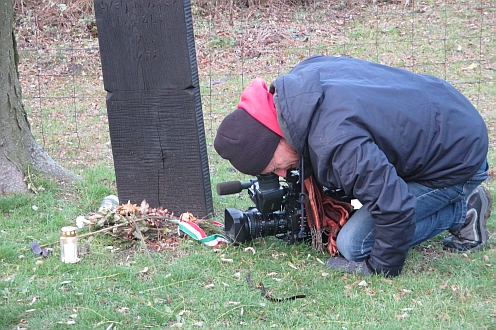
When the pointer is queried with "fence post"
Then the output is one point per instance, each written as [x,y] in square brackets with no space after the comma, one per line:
[154,109]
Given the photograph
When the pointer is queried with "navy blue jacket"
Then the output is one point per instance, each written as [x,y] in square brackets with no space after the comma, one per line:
[369,128]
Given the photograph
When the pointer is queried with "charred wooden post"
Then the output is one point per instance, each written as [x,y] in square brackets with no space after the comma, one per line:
[156,126]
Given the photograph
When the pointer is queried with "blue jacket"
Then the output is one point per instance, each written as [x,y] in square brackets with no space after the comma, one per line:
[368,129]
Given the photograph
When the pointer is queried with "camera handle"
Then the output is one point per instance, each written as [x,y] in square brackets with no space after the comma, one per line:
[302,199]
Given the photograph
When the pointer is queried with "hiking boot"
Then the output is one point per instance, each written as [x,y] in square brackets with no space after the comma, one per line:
[473,234]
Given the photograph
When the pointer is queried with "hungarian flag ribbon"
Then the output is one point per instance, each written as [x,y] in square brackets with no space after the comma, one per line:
[194,231]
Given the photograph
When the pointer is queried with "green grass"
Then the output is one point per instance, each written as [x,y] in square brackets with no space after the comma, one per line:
[194,287]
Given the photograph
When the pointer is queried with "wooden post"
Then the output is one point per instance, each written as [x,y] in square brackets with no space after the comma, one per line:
[156,127]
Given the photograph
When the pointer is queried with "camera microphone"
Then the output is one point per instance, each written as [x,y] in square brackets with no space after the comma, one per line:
[232,187]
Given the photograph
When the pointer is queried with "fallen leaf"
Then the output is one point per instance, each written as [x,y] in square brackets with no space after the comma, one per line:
[233,303]
[35,247]
[128,209]
[144,207]
[323,263]
[187,217]
[33,300]
[250,249]
[223,258]
[471,66]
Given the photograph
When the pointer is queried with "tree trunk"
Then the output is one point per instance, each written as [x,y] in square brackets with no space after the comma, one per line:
[18,148]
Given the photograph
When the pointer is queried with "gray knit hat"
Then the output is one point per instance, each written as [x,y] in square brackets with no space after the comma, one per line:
[248,144]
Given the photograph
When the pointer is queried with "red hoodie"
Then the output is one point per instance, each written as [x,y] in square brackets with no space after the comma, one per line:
[259,103]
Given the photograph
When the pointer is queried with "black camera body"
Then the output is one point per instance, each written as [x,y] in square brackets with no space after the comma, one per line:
[278,211]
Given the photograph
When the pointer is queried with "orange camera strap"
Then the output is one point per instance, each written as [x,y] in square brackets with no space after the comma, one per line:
[325,216]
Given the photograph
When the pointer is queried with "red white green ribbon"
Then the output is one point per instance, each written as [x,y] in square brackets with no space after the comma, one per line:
[194,231]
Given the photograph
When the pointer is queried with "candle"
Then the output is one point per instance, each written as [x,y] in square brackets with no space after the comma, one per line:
[68,245]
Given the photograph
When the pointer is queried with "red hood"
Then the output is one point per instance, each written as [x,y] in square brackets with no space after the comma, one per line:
[259,103]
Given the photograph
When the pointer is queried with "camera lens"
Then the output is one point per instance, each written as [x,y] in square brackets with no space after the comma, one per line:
[241,227]
[234,225]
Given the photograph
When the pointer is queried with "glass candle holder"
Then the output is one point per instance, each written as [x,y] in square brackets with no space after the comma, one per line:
[68,245]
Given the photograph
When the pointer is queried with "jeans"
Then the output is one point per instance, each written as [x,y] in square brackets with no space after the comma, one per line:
[437,209]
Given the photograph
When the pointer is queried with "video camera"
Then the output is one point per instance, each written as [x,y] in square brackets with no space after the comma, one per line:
[279,209]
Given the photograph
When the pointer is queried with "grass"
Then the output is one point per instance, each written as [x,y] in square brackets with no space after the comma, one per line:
[194,287]
[115,286]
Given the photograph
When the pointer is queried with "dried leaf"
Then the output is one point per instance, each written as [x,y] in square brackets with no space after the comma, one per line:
[128,209]
[144,207]
[250,249]
[471,67]
[122,309]
[187,217]
[323,263]
[35,247]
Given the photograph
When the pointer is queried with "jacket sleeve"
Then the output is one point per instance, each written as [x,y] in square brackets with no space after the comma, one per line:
[359,167]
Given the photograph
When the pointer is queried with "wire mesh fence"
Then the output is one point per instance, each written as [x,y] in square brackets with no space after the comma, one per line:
[63,86]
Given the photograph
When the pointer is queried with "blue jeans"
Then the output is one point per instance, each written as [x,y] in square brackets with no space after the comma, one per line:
[437,210]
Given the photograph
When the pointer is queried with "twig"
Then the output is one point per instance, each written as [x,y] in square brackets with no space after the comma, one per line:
[143,243]
[88,234]
[103,317]
[100,277]
[169,284]
[229,311]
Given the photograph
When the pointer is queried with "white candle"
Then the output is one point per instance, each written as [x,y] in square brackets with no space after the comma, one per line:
[68,245]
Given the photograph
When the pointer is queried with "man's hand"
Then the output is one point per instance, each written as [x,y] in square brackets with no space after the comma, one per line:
[340,263]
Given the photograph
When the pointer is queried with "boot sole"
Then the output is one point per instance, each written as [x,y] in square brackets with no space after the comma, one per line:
[486,201]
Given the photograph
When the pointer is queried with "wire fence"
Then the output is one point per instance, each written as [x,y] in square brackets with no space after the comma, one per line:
[62,82]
